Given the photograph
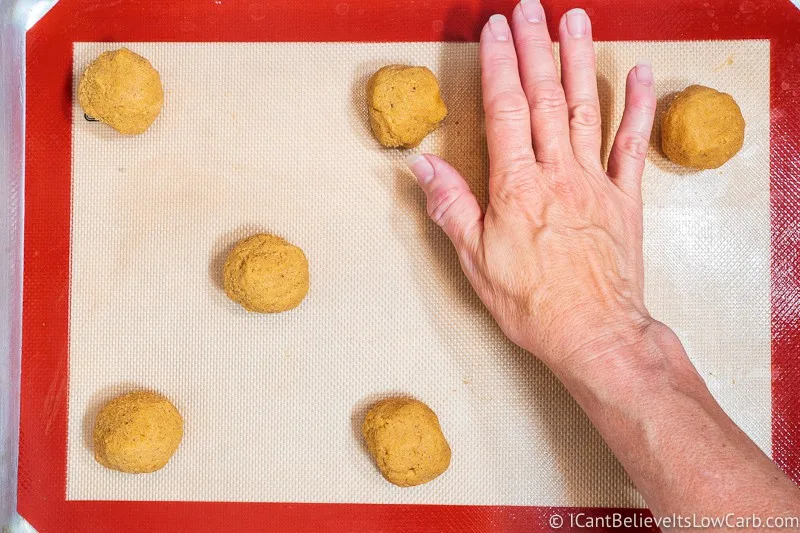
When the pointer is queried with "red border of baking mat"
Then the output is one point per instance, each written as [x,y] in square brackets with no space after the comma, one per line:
[43,428]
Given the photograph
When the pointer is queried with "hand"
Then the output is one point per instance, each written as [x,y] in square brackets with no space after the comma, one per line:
[557,257]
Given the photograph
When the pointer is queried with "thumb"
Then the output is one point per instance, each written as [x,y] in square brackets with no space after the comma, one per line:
[451,203]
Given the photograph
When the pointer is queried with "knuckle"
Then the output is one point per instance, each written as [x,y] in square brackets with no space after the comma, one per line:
[568,182]
[508,106]
[585,116]
[504,58]
[499,62]
[644,104]
[584,61]
[565,188]
[517,177]
[634,145]
[441,202]
[516,166]
[519,192]
[535,42]
[548,98]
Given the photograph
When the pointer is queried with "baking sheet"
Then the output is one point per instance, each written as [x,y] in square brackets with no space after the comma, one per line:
[274,137]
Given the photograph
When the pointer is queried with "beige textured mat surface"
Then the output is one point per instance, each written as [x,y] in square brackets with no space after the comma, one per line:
[274,137]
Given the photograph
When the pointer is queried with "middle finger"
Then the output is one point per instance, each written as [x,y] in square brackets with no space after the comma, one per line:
[549,118]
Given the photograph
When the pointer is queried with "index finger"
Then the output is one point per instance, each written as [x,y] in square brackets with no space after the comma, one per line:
[508,129]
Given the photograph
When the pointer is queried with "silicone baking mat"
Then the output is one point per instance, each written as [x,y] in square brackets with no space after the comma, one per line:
[125,236]
[275,137]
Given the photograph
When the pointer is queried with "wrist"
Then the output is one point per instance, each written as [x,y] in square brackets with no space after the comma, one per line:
[629,360]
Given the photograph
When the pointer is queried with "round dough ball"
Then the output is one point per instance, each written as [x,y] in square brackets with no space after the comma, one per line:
[266,274]
[137,432]
[404,105]
[702,128]
[405,438]
[123,90]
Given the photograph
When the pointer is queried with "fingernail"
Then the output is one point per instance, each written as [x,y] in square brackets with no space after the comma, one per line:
[421,168]
[644,72]
[498,26]
[577,22]
[532,10]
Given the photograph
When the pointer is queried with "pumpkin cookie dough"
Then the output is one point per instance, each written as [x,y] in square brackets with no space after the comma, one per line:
[137,432]
[266,274]
[404,105]
[405,438]
[123,90]
[702,128]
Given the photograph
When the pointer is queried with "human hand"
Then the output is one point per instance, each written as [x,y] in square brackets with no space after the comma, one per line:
[557,257]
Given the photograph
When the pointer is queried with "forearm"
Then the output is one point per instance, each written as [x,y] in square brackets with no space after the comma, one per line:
[682,451]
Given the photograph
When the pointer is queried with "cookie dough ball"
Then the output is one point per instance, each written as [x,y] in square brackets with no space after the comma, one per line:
[123,90]
[404,105]
[405,438]
[702,129]
[266,274]
[137,432]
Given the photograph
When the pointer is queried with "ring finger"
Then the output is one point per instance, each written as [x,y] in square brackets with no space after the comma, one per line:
[579,78]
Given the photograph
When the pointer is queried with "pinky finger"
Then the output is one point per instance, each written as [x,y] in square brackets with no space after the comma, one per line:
[626,162]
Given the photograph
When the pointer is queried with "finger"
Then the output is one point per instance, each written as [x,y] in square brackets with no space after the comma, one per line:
[579,78]
[508,129]
[451,203]
[626,161]
[548,106]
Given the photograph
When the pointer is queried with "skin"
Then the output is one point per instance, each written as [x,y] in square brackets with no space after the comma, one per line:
[557,260]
